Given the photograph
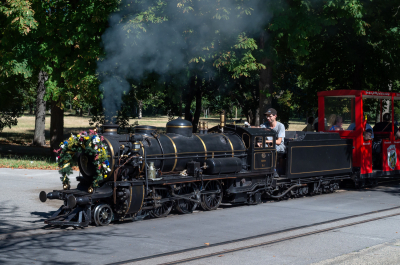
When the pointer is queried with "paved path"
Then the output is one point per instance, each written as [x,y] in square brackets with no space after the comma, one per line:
[129,240]
[20,206]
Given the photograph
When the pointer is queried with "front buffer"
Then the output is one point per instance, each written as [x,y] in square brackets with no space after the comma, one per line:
[80,207]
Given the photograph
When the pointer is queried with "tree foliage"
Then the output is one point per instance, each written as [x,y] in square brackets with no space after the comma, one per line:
[177,54]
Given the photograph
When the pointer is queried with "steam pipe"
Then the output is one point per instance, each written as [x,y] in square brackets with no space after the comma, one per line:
[145,171]
[283,194]
[186,157]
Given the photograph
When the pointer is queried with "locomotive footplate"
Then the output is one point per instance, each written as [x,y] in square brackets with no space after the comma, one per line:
[173,179]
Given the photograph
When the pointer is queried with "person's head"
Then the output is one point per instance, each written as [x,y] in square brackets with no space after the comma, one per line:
[310,120]
[332,119]
[367,135]
[271,115]
[397,135]
[338,121]
[386,117]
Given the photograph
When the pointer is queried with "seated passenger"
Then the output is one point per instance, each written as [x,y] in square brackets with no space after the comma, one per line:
[385,126]
[337,125]
[352,127]
[331,122]
[316,126]
[278,127]
[309,127]
[367,135]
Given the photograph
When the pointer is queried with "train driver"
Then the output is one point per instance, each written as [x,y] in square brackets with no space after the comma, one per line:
[278,127]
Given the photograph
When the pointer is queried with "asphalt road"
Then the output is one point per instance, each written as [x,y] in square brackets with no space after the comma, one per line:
[24,238]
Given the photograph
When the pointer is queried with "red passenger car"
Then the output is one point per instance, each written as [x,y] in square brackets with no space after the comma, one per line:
[344,112]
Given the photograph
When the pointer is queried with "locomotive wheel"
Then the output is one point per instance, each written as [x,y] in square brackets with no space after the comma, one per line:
[185,206]
[103,215]
[211,202]
[165,208]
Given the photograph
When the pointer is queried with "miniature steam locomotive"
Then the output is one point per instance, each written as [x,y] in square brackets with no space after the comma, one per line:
[153,174]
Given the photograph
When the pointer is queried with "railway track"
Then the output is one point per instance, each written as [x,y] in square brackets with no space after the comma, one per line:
[217,249]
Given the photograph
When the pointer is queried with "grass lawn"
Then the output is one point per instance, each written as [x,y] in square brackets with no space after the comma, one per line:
[23,161]
[22,134]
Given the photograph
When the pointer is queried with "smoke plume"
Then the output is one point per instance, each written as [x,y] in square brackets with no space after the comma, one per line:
[166,47]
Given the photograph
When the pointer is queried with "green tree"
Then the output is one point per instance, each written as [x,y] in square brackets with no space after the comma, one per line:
[16,22]
[66,46]
[330,45]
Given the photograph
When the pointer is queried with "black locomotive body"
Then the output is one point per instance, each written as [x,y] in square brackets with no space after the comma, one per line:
[153,173]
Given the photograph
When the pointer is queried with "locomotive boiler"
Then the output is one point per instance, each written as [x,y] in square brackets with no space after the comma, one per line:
[153,174]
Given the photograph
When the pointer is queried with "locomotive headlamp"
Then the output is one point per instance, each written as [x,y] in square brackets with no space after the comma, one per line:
[136,146]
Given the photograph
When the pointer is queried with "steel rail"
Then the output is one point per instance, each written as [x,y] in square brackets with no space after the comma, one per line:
[278,240]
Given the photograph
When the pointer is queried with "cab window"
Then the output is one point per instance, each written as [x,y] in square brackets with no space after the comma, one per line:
[258,142]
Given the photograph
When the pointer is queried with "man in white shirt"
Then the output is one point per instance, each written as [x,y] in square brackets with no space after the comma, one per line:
[278,127]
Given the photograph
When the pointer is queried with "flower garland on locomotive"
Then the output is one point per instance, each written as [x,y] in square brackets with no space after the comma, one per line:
[89,143]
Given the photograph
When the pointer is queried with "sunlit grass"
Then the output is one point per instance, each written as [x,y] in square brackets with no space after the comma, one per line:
[28,162]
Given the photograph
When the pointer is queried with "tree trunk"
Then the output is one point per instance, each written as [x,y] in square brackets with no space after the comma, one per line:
[140,102]
[357,76]
[188,115]
[265,84]
[180,106]
[56,126]
[81,112]
[40,120]
[31,109]
[198,110]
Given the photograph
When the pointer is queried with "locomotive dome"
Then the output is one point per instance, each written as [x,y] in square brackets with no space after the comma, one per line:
[145,129]
[110,128]
[180,126]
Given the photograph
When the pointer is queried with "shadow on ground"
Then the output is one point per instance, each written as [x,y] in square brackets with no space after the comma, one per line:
[77,246]
[13,220]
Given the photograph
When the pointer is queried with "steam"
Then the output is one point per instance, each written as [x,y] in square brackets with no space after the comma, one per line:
[166,48]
